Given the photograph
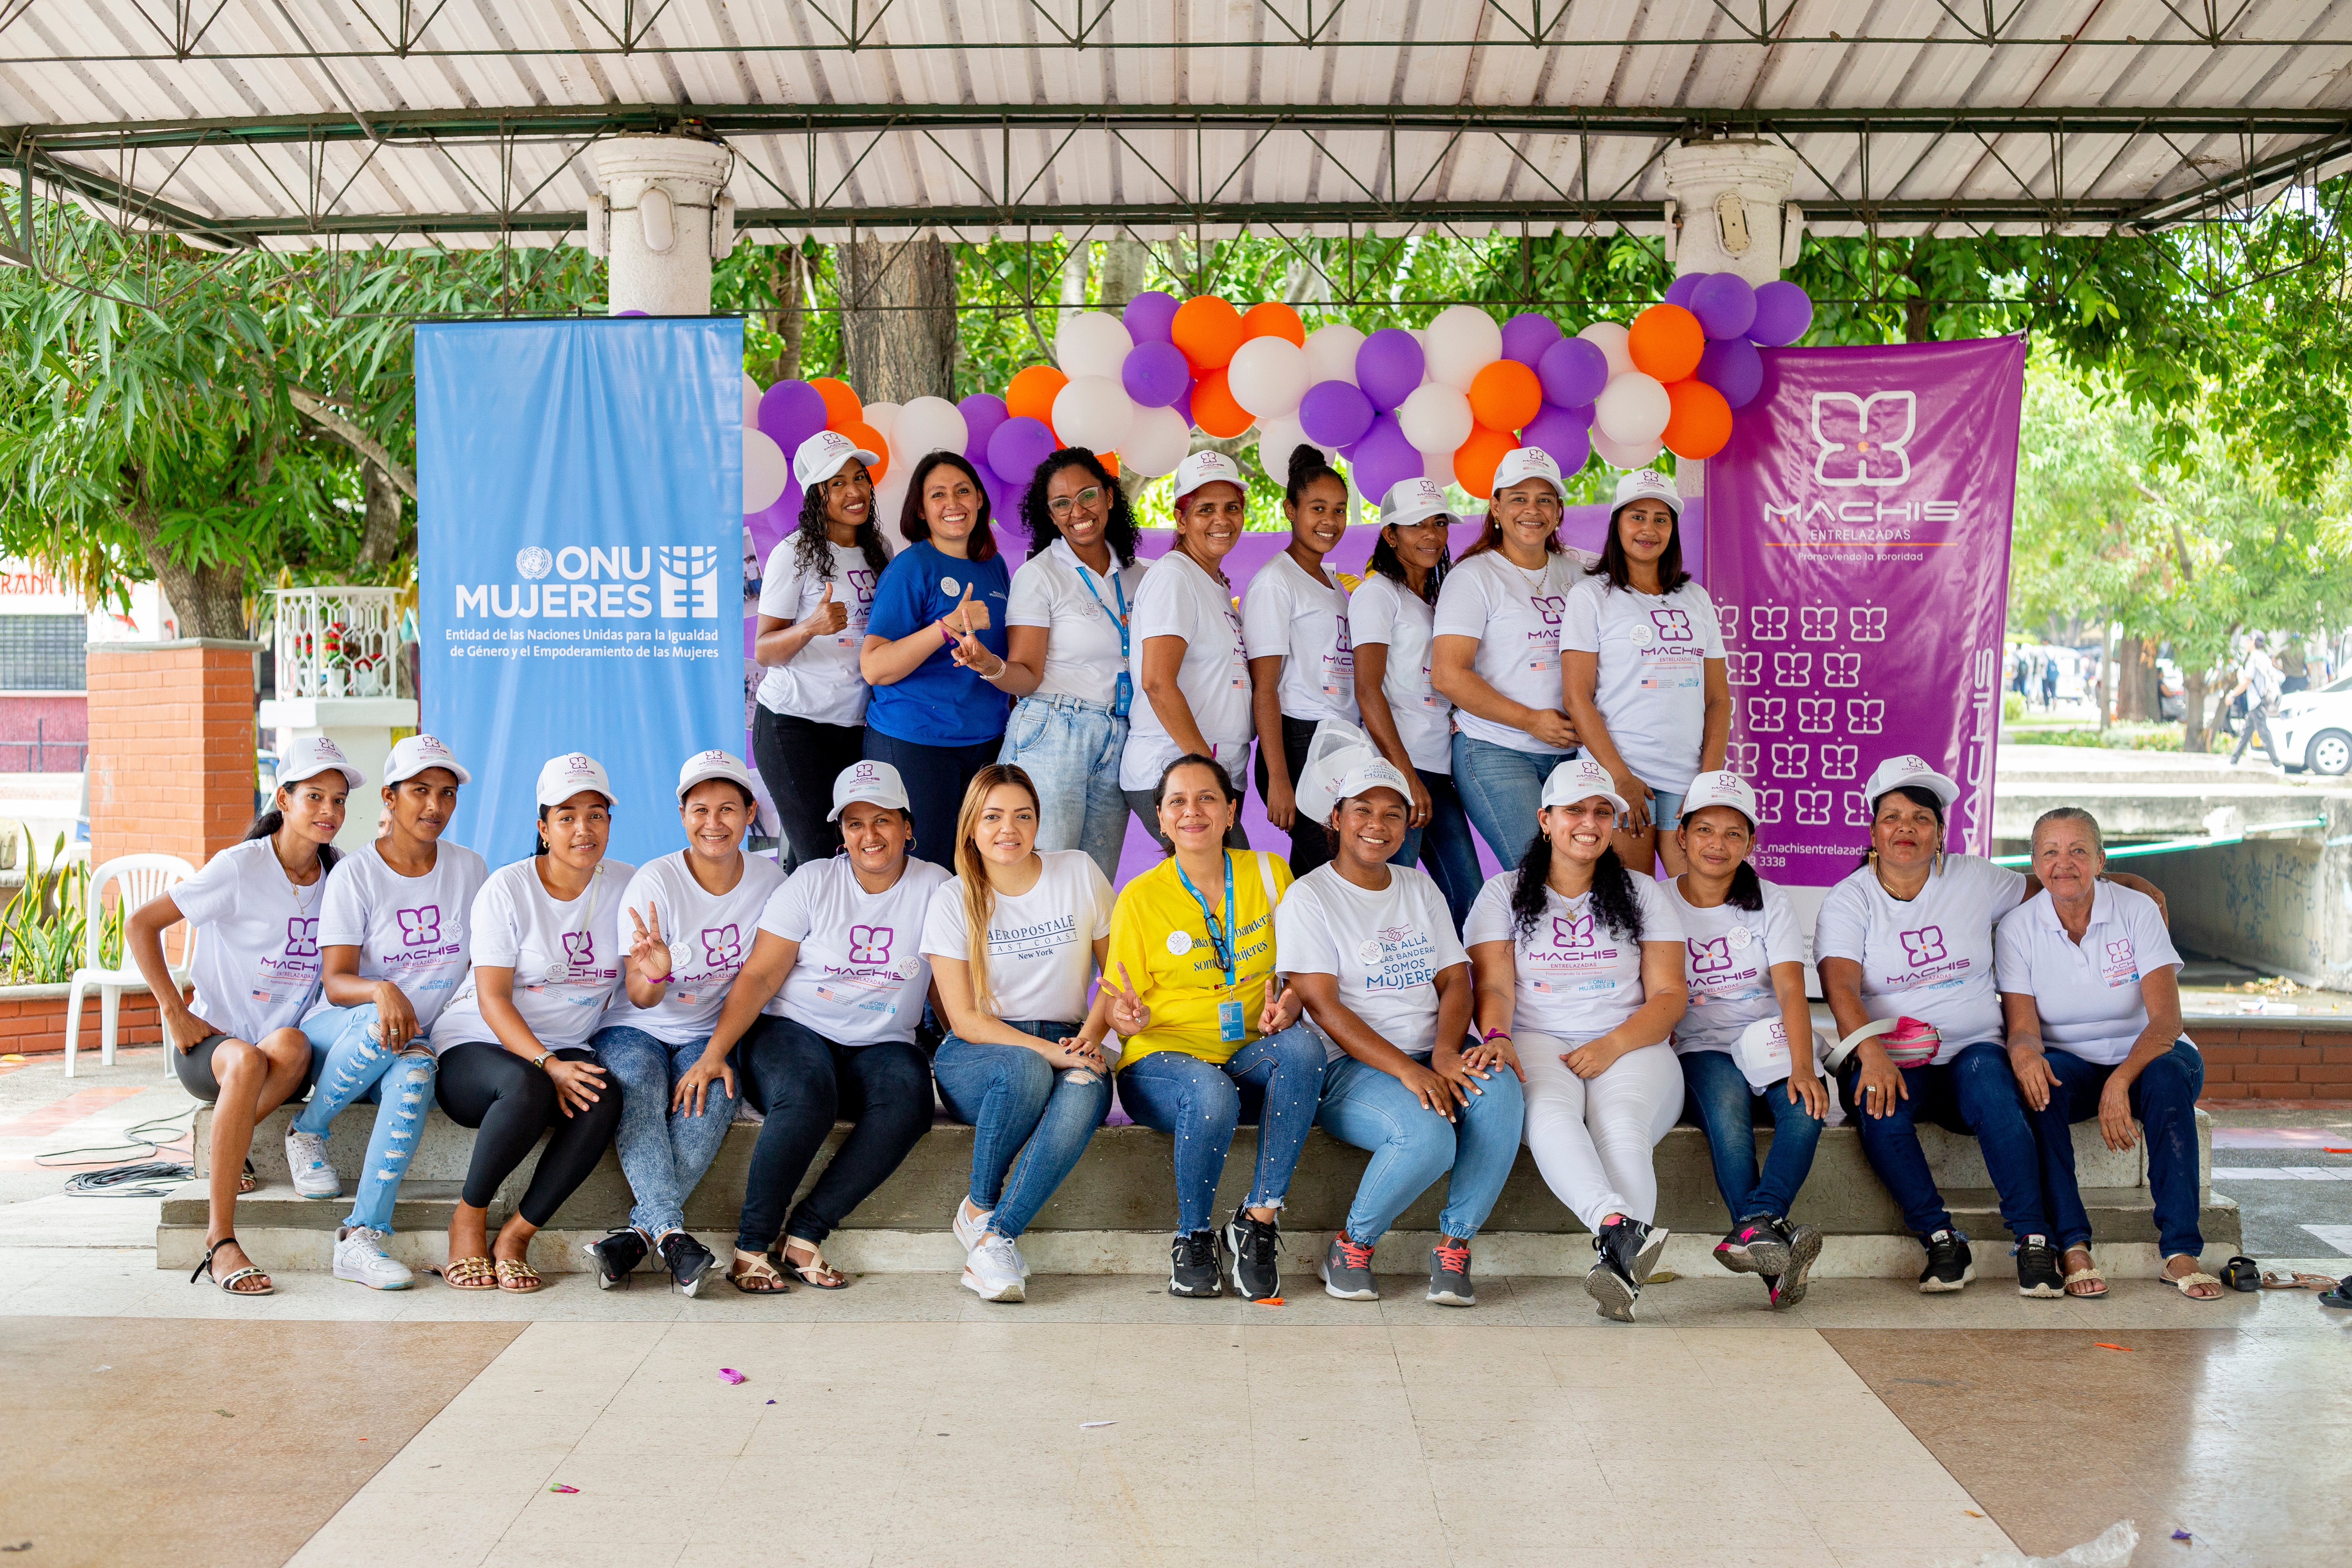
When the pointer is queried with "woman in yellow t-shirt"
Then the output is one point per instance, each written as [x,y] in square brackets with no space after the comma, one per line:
[1211,1030]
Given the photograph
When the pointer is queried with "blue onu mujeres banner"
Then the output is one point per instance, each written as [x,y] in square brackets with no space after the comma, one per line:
[579,547]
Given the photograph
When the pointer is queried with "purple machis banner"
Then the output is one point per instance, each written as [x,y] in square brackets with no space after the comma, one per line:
[1858,552]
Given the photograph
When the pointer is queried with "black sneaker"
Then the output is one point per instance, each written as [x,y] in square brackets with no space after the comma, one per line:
[1629,1251]
[614,1257]
[688,1261]
[2037,1269]
[1257,1248]
[1193,1265]
[1804,1243]
[1449,1277]
[1950,1264]
[1754,1246]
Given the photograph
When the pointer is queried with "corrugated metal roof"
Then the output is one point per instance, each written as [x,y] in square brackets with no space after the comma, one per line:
[283,121]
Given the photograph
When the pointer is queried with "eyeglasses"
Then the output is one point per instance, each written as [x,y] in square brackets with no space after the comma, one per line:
[1090,497]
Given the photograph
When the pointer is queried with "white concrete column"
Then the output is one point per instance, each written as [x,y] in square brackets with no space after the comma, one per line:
[661,216]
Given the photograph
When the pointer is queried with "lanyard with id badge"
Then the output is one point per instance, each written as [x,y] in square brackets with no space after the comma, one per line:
[1232,1026]
[1124,696]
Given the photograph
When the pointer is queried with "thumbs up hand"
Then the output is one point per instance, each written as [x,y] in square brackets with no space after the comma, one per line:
[829,618]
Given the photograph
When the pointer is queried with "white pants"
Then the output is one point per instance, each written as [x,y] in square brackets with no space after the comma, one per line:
[1591,1137]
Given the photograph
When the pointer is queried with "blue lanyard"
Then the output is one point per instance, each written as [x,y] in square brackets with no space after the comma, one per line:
[1123,690]
[1221,942]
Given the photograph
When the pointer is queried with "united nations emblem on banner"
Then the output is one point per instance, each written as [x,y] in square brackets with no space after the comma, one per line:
[533,562]
[689,581]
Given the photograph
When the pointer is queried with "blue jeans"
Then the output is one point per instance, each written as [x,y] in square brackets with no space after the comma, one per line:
[1502,789]
[1029,1122]
[1444,843]
[1278,1078]
[353,1067]
[1665,810]
[1071,750]
[2164,1099]
[1727,1108]
[1411,1146]
[1975,1092]
[664,1154]
[936,778]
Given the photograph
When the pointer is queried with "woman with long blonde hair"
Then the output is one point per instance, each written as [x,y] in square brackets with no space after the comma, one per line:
[1015,941]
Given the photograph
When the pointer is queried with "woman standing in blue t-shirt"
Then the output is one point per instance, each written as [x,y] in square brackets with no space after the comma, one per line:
[934,650]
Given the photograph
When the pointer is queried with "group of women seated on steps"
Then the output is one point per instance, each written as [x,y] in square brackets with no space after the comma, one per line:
[969,951]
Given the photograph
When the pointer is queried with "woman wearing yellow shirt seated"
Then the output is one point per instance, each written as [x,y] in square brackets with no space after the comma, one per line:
[1212,1032]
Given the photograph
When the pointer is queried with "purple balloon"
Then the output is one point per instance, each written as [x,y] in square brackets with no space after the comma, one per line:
[982,413]
[1384,458]
[1334,414]
[1155,374]
[790,413]
[1573,371]
[1734,368]
[1784,311]
[1183,405]
[1527,335]
[1019,445]
[1388,367]
[1562,433]
[1151,318]
[1725,305]
[1679,293]
[778,522]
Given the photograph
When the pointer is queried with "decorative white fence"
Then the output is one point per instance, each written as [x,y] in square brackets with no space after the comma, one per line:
[339,642]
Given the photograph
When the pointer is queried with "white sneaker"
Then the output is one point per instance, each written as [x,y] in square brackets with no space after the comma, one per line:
[359,1255]
[968,1232]
[306,1156]
[995,1271]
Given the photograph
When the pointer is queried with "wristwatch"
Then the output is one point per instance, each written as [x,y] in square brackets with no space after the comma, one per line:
[541,1061]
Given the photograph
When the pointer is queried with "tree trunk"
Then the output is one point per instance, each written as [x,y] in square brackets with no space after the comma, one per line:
[380,530]
[209,600]
[897,318]
[2195,735]
[785,282]
[1126,263]
[2139,694]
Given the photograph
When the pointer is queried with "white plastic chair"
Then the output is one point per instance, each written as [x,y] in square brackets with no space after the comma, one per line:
[142,876]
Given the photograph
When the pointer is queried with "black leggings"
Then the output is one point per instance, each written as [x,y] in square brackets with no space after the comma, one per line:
[1310,844]
[512,1102]
[798,761]
[801,1081]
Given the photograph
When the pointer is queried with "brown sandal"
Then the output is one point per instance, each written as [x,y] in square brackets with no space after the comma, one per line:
[754,1275]
[468,1274]
[816,1273]
[518,1278]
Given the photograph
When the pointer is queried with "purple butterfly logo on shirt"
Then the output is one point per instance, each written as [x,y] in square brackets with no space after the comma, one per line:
[1924,945]
[1673,625]
[418,927]
[870,945]
[579,947]
[722,947]
[301,937]
[1709,953]
[1549,606]
[2121,951]
[1575,932]
[861,582]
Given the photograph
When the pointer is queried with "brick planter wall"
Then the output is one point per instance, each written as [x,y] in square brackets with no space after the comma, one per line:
[2276,1058]
[33,1020]
[171,747]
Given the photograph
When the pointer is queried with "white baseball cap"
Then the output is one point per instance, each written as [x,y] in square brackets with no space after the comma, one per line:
[1413,500]
[1370,774]
[560,778]
[875,783]
[1647,484]
[1581,778]
[1207,468]
[1527,463]
[412,754]
[704,767]
[1895,773]
[1720,789]
[821,456]
[308,758]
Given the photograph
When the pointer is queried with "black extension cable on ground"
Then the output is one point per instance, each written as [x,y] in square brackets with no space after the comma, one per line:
[147,1179]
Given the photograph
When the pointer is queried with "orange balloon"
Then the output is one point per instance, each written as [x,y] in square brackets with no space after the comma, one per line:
[1273,319]
[842,406]
[1108,460]
[1505,396]
[1033,391]
[1213,408]
[1701,421]
[869,439]
[1209,331]
[1665,343]
[1475,461]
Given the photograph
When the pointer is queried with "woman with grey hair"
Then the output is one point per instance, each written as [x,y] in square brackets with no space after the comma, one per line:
[2090,996]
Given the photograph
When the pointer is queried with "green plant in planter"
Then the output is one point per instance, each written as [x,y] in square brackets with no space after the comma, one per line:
[45,925]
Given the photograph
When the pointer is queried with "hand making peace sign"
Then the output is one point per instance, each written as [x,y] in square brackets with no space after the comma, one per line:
[1130,1014]
[647,951]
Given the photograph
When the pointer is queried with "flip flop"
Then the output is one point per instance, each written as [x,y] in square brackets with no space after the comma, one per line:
[468,1274]
[250,1271]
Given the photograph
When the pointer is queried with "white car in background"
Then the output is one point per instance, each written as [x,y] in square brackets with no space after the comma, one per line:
[2314,729]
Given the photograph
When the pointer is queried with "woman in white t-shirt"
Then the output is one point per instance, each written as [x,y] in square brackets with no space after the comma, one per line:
[1580,965]
[1641,667]
[1068,626]
[1389,618]
[238,1044]
[1747,1042]
[1905,953]
[392,936]
[692,916]
[1191,678]
[1371,951]
[1016,940]
[2090,989]
[814,597]
[1495,652]
[825,1008]
[515,1047]
[1302,666]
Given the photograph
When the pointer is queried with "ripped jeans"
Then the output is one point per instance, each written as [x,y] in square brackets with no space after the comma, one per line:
[399,1084]
[1030,1121]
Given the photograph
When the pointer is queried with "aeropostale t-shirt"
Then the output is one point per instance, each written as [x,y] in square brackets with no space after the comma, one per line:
[1041,943]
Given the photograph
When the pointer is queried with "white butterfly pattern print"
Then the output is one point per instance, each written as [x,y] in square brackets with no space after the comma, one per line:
[1863,439]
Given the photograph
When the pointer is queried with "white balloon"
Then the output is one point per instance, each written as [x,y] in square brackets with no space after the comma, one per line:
[1435,419]
[1633,410]
[1463,340]
[1095,410]
[1609,337]
[926,425]
[884,419]
[1157,440]
[766,470]
[1091,343]
[1439,466]
[1331,353]
[1268,376]
[890,504]
[1623,455]
[1280,435]
[751,403]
